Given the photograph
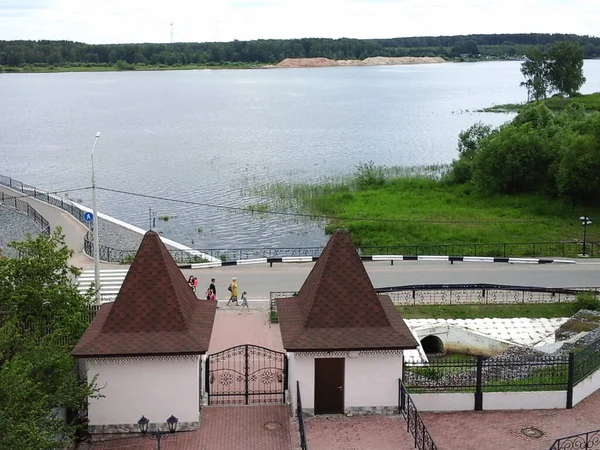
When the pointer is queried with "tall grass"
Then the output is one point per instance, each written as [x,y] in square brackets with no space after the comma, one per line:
[414,205]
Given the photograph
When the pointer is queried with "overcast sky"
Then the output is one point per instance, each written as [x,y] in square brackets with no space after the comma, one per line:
[118,21]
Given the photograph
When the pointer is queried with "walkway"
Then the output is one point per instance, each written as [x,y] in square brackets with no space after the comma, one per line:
[493,430]
[221,428]
[358,433]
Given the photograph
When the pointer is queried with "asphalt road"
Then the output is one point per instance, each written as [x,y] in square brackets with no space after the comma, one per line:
[261,279]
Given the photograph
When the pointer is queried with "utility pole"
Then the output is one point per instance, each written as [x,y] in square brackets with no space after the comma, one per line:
[171,32]
[95,222]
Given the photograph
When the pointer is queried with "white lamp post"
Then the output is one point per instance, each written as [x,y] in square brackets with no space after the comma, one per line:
[95,222]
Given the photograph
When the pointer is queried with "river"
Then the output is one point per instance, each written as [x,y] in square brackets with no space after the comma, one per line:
[205,136]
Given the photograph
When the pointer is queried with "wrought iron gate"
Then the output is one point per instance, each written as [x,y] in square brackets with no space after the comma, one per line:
[246,374]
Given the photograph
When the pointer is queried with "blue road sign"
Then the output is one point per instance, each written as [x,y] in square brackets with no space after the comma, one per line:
[88,217]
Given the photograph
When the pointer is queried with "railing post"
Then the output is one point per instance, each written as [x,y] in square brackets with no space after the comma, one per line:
[246,373]
[207,378]
[570,380]
[478,386]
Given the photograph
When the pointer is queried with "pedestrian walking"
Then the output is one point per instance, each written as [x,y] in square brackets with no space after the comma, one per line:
[244,300]
[233,288]
[211,287]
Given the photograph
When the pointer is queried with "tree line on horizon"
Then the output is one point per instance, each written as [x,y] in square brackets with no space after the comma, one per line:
[65,53]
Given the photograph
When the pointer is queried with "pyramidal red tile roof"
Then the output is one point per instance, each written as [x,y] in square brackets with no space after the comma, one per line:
[155,311]
[337,307]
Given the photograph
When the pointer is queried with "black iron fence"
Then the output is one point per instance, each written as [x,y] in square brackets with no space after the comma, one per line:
[535,249]
[300,416]
[479,374]
[463,294]
[414,423]
[480,294]
[587,361]
[505,373]
[24,207]
[581,441]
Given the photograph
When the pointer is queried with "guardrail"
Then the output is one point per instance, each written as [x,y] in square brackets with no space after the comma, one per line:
[414,423]
[504,250]
[303,440]
[22,206]
[581,441]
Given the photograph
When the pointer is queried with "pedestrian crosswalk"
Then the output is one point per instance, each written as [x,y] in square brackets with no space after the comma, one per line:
[110,282]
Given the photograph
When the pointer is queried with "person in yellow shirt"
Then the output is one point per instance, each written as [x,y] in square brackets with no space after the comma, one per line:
[233,288]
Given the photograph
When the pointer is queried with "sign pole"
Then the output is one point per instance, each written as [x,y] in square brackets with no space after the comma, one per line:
[96,239]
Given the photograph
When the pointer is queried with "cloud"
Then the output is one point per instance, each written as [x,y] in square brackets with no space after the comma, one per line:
[114,21]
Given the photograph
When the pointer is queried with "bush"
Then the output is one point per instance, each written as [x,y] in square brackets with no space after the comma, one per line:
[127,259]
[588,300]
[369,175]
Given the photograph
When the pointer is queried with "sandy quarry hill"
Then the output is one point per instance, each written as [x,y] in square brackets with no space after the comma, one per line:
[373,61]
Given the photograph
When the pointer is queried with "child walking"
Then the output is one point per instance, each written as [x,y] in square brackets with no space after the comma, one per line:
[244,300]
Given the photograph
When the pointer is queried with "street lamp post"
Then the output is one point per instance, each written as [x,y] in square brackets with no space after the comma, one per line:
[158,435]
[585,221]
[95,222]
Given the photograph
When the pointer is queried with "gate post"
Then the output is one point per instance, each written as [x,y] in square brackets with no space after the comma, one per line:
[207,378]
[285,375]
[246,371]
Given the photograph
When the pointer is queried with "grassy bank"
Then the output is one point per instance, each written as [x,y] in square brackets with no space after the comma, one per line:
[426,211]
[123,67]
[591,102]
[534,311]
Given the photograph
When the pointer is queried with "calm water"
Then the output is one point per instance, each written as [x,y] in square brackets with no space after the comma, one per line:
[203,136]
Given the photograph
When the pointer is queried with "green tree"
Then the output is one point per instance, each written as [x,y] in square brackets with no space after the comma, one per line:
[516,159]
[535,71]
[43,316]
[469,142]
[565,67]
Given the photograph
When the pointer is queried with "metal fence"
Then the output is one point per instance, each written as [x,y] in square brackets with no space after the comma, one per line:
[587,361]
[24,207]
[534,249]
[478,374]
[463,294]
[581,441]
[480,294]
[300,416]
[414,423]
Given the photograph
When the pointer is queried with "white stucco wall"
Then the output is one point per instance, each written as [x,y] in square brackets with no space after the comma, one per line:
[155,387]
[444,401]
[586,387]
[370,379]
[491,401]
[524,400]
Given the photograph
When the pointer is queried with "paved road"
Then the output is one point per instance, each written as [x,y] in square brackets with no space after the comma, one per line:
[261,279]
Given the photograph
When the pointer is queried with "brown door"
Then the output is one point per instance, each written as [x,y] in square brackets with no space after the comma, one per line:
[329,385]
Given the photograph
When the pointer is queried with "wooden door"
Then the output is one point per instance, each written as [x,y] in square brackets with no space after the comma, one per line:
[329,385]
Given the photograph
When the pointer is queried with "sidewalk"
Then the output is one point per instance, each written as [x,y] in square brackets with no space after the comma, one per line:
[492,430]
[73,230]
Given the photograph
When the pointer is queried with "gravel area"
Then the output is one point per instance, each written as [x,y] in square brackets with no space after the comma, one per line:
[116,236]
[14,226]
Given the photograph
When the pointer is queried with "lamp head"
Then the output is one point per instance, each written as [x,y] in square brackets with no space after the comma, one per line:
[172,423]
[97,134]
[143,424]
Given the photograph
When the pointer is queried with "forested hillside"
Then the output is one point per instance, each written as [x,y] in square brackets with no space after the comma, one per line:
[67,53]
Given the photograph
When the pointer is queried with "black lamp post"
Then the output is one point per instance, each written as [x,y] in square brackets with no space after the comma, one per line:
[585,221]
[158,435]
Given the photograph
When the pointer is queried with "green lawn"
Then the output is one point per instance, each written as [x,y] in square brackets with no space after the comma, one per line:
[591,102]
[426,211]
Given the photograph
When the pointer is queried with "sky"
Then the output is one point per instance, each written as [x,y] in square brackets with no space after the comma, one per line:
[123,21]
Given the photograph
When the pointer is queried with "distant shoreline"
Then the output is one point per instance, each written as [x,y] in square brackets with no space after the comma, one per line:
[286,63]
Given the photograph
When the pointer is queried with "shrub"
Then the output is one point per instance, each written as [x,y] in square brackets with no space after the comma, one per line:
[369,175]
[588,300]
